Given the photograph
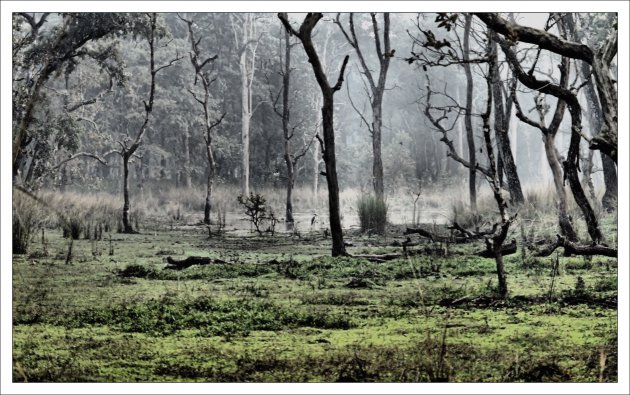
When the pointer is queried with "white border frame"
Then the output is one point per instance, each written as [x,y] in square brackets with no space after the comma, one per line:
[7,7]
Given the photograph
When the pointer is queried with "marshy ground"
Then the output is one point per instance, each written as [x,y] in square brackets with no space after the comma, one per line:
[280,309]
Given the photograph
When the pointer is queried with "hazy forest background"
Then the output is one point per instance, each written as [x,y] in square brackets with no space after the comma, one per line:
[181,180]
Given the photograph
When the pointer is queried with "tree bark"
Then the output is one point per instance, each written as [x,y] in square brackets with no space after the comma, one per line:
[500,127]
[127,228]
[609,200]
[245,119]
[187,172]
[246,64]
[470,136]
[286,115]
[304,34]
[566,228]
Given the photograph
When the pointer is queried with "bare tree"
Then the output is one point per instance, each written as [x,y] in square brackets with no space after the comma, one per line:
[470,136]
[571,163]
[600,61]
[202,73]
[244,30]
[552,154]
[127,148]
[290,157]
[595,120]
[502,114]
[328,143]
[377,88]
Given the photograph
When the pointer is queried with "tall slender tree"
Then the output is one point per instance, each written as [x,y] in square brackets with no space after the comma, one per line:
[377,88]
[244,31]
[201,65]
[304,33]
[151,33]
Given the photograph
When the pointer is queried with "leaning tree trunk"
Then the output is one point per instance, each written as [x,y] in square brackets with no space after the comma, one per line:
[571,173]
[609,200]
[571,164]
[470,136]
[566,228]
[503,140]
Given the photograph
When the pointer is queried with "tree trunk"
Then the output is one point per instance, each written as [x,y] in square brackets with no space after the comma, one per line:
[377,165]
[208,204]
[470,136]
[566,228]
[503,140]
[304,34]
[187,172]
[338,247]
[286,115]
[609,200]
[502,277]
[245,120]
[127,228]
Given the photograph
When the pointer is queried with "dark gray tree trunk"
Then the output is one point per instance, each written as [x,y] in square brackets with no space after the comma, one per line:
[470,136]
[501,133]
[286,115]
[328,150]
[566,228]
[595,120]
[127,228]
[187,172]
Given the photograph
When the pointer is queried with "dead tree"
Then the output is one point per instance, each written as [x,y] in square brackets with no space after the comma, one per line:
[244,30]
[377,88]
[600,61]
[202,73]
[470,136]
[495,243]
[290,158]
[552,154]
[595,120]
[328,143]
[127,150]
[571,164]
[502,114]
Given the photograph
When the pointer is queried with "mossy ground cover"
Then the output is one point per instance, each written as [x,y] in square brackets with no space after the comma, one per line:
[280,310]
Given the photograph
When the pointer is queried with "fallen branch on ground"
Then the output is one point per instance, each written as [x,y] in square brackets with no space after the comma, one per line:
[379,258]
[571,248]
[435,237]
[190,261]
[506,249]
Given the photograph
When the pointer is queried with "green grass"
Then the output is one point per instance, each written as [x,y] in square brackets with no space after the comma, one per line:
[282,310]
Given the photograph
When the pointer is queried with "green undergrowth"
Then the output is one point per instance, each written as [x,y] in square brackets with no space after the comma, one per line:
[280,309]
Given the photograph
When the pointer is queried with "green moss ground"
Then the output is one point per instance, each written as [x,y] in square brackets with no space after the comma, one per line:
[425,318]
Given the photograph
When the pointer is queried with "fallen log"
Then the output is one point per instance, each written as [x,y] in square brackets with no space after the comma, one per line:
[190,261]
[477,235]
[506,249]
[434,237]
[379,258]
[571,248]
